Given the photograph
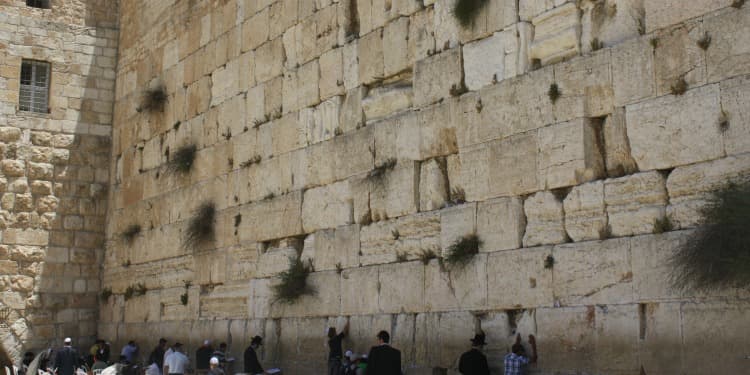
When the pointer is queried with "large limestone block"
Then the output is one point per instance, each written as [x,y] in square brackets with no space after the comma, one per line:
[706,322]
[402,287]
[275,260]
[570,154]
[676,130]
[567,336]
[610,22]
[396,38]
[593,273]
[224,83]
[225,301]
[633,71]
[327,207]
[735,99]
[501,223]
[255,30]
[433,185]
[444,337]
[585,215]
[324,301]
[617,157]
[351,115]
[396,192]
[437,130]
[513,166]
[241,261]
[210,268]
[358,286]
[269,59]
[278,217]
[455,223]
[331,73]
[409,236]
[353,153]
[651,269]
[371,63]
[527,285]
[485,60]
[660,14]
[436,76]
[324,123]
[661,326]
[728,54]
[617,338]
[545,220]
[447,30]
[635,202]
[468,172]
[528,9]
[397,137]
[456,289]
[350,56]
[585,86]
[556,34]
[515,106]
[387,100]
[678,55]
[691,187]
[334,248]
[421,34]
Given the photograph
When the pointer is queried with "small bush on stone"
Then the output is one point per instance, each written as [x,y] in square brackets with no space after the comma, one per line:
[554,93]
[402,256]
[717,254]
[463,250]
[339,268]
[395,234]
[201,226]
[737,4]
[654,42]
[596,44]
[380,169]
[549,262]
[679,87]
[704,42]
[131,232]
[182,160]
[723,122]
[457,196]
[293,283]
[466,11]
[105,294]
[153,100]
[184,299]
[135,291]
[662,225]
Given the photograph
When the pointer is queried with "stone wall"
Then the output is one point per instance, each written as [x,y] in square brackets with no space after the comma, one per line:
[363,134]
[54,171]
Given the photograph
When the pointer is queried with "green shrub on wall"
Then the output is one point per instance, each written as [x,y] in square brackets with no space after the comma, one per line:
[717,254]
[293,283]
[466,11]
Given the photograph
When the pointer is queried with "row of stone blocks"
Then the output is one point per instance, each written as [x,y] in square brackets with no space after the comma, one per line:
[660,337]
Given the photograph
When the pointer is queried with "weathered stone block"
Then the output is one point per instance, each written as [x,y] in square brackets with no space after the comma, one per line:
[485,59]
[570,154]
[421,34]
[459,289]
[323,302]
[650,257]
[529,284]
[585,87]
[331,74]
[353,153]
[255,30]
[633,71]
[556,34]
[371,63]
[596,272]
[455,223]
[269,59]
[334,248]
[513,166]
[437,130]
[327,207]
[735,99]
[501,223]
[387,100]
[433,185]
[409,236]
[676,130]
[617,328]
[358,286]
[468,172]
[660,14]
[567,336]
[662,325]
[226,301]
[273,218]
[275,260]
[708,320]
[401,287]
[585,215]
[678,56]
[611,22]
[545,220]
[396,55]
[691,187]
[635,202]
[396,192]
[727,56]
[437,76]
[617,158]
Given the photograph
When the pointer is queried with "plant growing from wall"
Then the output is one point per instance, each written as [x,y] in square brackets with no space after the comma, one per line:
[679,86]
[184,296]
[466,11]
[426,255]
[596,44]
[704,42]
[662,225]
[737,4]
[717,254]
[549,262]
[182,160]
[463,250]
[293,283]
[135,290]
[554,92]
[131,232]
[201,226]
[153,100]
[380,169]
[402,256]
[105,294]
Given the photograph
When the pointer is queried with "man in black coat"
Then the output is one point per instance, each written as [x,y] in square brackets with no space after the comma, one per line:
[383,359]
[66,359]
[474,362]
[252,365]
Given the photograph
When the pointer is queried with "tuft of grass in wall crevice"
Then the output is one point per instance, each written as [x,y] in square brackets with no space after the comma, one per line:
[380,169]
[131,232]
[467,11]
[105,294]
[153,100]
[426,255]
[293,282]
[201,226]
[663,225]
[716,256]
[182,160]
[463,250]
[679,87]
[554,93]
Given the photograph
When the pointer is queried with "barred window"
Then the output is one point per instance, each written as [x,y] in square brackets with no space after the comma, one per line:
[34,95]
[44,4]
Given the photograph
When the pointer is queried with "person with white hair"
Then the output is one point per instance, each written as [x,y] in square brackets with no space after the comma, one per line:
[214,368]
[66,359]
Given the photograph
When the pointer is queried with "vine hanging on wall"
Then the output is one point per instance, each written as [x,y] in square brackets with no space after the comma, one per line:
[466,11]
[717,254]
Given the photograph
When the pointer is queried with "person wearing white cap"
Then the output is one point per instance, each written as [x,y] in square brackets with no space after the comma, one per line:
[214,368]
[66,359]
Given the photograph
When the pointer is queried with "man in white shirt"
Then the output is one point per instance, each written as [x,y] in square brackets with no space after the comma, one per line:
[177,362]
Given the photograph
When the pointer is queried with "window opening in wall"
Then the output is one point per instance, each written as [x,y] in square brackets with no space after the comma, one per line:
[44,4]
[34,95]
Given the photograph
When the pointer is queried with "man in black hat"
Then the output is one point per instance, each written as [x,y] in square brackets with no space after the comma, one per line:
[384,359]
[474,362]
[252,365]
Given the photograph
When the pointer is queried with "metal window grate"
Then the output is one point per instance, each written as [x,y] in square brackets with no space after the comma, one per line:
[34,94]
[44,4]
